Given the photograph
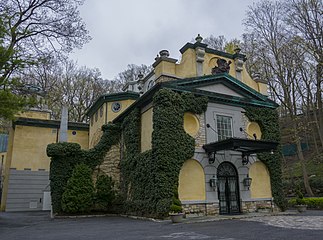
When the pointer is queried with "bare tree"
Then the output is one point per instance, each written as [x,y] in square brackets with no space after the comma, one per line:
[130,74]
[278,55]
[29,29]
[217,43]
[68,84]
[306,19]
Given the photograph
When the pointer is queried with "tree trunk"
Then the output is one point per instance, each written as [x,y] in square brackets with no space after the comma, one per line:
[303,164]
[319,97]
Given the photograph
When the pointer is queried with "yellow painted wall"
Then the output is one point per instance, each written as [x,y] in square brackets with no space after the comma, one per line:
[81,137]
[146,129]
[30,143]
[263,88]
[260,185]
[191,124]
[124,105]
[248,80]
[29,147]
[165,67]
[35,114]
[187,68]
[191,182]
[95,132]
[252,128]
[95,126]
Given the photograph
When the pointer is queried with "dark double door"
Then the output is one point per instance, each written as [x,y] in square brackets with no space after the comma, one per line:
[228,189]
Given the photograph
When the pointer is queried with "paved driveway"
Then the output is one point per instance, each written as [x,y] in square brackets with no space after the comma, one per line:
[38,225]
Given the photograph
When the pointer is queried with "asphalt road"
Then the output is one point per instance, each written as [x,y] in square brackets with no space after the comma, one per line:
[38,225]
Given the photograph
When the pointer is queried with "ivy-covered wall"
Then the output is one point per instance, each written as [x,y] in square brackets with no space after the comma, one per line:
[149,178]
[65,156]
[269,124]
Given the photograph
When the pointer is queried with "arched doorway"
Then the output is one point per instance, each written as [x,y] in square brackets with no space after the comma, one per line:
[228,188]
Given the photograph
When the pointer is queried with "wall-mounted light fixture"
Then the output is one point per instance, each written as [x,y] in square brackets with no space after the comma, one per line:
[211,156]
[247,182]
[252,136]
[245,159]
[213,182]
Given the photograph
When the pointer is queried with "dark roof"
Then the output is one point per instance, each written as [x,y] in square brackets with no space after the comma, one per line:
[245,146]
[111,97]
[250,97]
[50,124]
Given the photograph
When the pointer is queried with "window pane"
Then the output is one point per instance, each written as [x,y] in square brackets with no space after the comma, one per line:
[224,127]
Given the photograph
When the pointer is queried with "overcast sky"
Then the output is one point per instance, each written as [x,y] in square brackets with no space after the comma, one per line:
[134,31]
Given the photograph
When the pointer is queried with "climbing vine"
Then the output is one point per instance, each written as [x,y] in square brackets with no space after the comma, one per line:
[269,124]
[65,156]
[149,178]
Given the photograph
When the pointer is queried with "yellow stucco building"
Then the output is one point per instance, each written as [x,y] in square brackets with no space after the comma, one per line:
[224,176]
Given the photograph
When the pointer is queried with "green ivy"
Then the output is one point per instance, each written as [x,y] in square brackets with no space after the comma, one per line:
[269,125]
[65,156]
[150,177]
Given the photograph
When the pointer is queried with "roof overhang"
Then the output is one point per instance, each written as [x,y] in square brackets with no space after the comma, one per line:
[245,146]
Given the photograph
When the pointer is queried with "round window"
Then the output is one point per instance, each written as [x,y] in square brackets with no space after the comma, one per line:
[116,107]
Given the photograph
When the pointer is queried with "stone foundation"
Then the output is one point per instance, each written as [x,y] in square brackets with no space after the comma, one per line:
[211,209]
[257,206]
[201,209]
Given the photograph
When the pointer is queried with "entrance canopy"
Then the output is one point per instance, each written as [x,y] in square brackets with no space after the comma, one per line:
[245,146]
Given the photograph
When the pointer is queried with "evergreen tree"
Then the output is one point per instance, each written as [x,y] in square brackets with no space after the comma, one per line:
[79,193]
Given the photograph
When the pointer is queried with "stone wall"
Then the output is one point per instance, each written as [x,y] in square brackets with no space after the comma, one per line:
[201,209]
[110,165]
[258,206]
[200,138]
[211,209]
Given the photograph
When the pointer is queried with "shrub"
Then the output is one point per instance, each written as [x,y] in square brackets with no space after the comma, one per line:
[176,206]
[105,193]
[79,191]
[175,209]
[314,203]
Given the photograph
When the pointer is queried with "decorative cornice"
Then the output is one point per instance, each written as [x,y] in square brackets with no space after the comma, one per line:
[213,51]
[49,124]
[109,98]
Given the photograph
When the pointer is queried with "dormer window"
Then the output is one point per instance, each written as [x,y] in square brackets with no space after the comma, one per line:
[224,127]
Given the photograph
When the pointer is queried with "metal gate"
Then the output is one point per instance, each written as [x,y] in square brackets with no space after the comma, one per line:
[228,189]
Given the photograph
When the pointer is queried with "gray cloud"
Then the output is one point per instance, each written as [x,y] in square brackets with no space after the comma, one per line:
[126,31]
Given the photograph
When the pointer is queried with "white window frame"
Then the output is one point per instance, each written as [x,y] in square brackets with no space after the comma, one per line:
[221,131]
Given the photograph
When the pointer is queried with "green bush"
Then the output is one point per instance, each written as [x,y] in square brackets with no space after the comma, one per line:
[269,124]
[79,192]
[314,203]
[105,193]
[176,209]
[65,156]
[149,178]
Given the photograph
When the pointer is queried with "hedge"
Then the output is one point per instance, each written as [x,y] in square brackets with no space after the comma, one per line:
[314,203]
[149,178]
[65,156]
[269,125]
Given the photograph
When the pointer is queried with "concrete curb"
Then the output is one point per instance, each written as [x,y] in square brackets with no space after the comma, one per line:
[185,220]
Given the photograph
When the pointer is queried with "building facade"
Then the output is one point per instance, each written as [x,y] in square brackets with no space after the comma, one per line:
[223,173]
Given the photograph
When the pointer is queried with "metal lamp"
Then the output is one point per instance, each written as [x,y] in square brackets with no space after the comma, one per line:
[247,182]
[213,182]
